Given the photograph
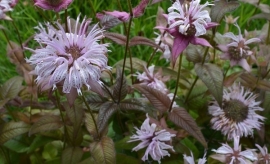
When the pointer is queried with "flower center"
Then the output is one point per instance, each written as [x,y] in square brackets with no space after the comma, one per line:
[54,2]
[235,110]
[74,50]
[235,53]
[191,31]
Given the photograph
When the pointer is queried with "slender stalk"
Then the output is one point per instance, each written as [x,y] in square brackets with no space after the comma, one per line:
[19,37]
[126,50]
[226,71]
[177,81]
[90,111]
[192,86]
[66,22]
[268,34]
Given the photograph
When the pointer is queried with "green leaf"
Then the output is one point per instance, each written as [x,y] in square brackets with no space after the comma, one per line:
[158,99]
[221,7]
[124,144]
[11,88]
[46,123]
[105,112]
[182,118]
[90,123]
[229,80]
[103,151]
[71,155]
[75,135]
[137,63]
[12,129]
[123,158]
[89,160]
[120,84]
[212,77]
[38,142]
[49,152]
[17,144]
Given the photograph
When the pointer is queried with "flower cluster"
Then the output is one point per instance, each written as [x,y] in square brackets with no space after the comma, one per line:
[154,139]
[237,116]
[71,59]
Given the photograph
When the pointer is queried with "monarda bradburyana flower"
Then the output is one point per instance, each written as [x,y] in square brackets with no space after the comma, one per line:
[6,6]
[154,139]
[237,116]
[69,59]
[237,51]
[56,5]
[263,156]
[190,159]
[186,22]
[234,155]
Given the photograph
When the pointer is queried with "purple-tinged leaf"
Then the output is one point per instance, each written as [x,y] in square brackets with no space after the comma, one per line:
[158,99]
[120,83]
[95,101]
[71,96]
[161,21]
[131,104]
[103,151]
[139,40]
[221,7]
[261,16]
[137,63]
[212,76]
[75,114]
[182,118]
[251,82]
[139,10]
[229,80]
[46,123]
[71,155]
[105,112]
[12,129]
[117,38]
[121,15]
[11,88]
[109,21]
[194,54]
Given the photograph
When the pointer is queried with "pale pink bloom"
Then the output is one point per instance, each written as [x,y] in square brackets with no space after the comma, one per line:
[69,59]
[186,22]
[153,80]
[263,157]
[190,159]
[154,139]
[56,5]
[235,155]
[237,116]
[6,6]
[237,51]
[166,44]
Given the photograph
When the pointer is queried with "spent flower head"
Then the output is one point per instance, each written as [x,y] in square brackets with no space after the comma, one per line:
[71,59]
[237,116]
[234,155]
[56,5]
[237,50]
[154,139]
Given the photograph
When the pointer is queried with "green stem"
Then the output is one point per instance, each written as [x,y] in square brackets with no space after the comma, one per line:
[177,81]
[90,111]
[226,72]
[192,86]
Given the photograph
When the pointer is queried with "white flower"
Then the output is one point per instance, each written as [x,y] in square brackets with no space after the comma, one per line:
[263,156]
[153,139]
[190,159]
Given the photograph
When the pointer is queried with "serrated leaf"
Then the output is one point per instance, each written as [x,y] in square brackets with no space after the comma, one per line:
[12,129]
[105,113]
[120,83]
[123,158]
[46,123]
[90,123]
[140,40]
[212,77]
[71,155]
[117,38]
[158,99]
[137,64]
[109,21]
[182,118]
[11,88]
[131,104]
[103,151]
[221,7]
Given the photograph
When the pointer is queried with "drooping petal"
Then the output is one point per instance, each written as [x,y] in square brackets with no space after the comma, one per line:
[179,45]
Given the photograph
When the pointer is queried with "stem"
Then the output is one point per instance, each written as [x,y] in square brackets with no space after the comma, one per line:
[193,84]
[268,34]
[19,37]
[226,71]
[66,22]
[131,66]
[126,51]
[88,107]
[177,81]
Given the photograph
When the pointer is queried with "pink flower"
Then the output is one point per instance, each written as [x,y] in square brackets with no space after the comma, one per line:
[153,80]
[237,116]
[237,51]
[69,59]
[186,22]
[234,155]
[190,159]
[153,139]
[263,157]
[6,6]
[56,5]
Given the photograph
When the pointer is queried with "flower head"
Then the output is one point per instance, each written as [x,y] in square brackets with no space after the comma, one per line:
[6,6]
[186,22]
[56,5]
[237,51]
[190,159]
[154,139]
[235,154]
[237,116]
[71,59]
[153,80]
[263,157]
